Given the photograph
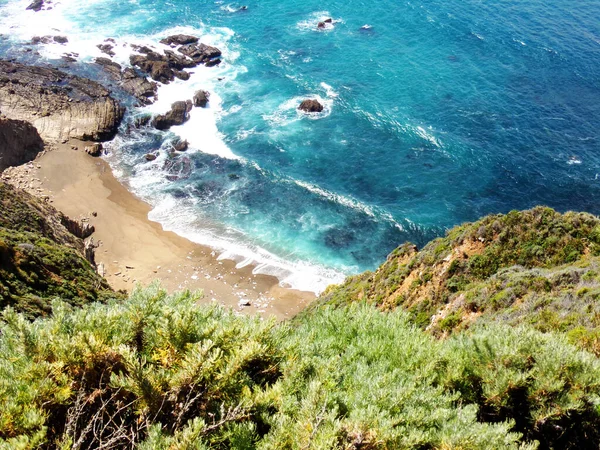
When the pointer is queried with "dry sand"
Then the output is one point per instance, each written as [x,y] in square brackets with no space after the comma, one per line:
[135,250]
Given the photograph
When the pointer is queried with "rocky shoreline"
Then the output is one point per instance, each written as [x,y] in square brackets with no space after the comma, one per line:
[58,118]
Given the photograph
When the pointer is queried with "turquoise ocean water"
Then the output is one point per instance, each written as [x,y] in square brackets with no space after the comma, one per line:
[437,113]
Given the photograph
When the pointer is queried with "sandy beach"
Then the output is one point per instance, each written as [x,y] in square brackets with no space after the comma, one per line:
[133,250]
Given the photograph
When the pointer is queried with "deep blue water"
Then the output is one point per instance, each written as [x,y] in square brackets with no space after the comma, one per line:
[442,112]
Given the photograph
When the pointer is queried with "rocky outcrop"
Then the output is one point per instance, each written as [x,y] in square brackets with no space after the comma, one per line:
[310,105]
[165,67]
[179,39]
[201,98]
[60,106]
[178,115]
[128,80]
[20,142]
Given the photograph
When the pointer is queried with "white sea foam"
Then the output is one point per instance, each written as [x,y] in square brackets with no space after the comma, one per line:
[232,244]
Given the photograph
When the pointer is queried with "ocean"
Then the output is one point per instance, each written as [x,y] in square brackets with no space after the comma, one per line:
[435,113]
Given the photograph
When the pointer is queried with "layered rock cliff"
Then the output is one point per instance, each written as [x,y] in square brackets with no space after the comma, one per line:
[58,105]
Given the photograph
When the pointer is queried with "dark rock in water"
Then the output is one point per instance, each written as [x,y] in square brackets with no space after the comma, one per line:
[181,145]
[36,5]
[61,39]
[94,150]
[188,105]
[321,25]
[179,39]
[233,176]
[181,74]
[68,58]
[212,62]
[338,239]
[310,105]
[179,168]
[177,116]
[141,121]
[329,20]
[41,40]
[59,105]
[20,142]
[178,62]
[200,53]
[129,81]
[201,98]
[107,49]
[150,156]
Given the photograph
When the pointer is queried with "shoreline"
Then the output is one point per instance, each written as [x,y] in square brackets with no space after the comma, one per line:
[135,250]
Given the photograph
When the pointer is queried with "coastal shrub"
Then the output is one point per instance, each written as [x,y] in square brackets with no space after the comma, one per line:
[34,270]
[159,371]
[547,387]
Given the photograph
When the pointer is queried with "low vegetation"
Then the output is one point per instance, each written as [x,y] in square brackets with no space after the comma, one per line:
[158,371]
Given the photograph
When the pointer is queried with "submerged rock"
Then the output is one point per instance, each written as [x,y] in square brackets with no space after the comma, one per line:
[59,105]
[181,145]
[310,105]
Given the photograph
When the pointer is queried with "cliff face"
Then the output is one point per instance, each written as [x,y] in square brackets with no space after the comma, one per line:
[60,106]
[535,267]
[19,142]
[40,258]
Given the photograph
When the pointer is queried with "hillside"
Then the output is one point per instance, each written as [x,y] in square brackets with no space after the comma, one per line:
[40,257]
[535,267]
[484,339]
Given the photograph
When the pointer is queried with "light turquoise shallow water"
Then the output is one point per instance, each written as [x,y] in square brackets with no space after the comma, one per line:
[441,112]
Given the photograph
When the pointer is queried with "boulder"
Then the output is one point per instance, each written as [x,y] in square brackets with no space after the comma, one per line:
[58,105]
[181,145]
[178,115]
[212,62]
[310,105]
[94,150]
[61,39]
[179,39]
[201,98]
[20,142]
[150,156]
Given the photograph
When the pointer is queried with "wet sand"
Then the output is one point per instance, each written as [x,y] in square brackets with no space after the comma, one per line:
[132,249]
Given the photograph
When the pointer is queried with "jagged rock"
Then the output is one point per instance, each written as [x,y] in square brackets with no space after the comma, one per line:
[213,62]
[329,20]
[94,150]
[321,25]
[181,145]
[20,142]
[179,39]
[60,106]
[200,53]
[310,105]
[89,251]
[80,228]
[178,115]
[36,5]
[150,156]
[61,39]
[142,89]
[106,48]
[141,121]
[181,74]
[201,98]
